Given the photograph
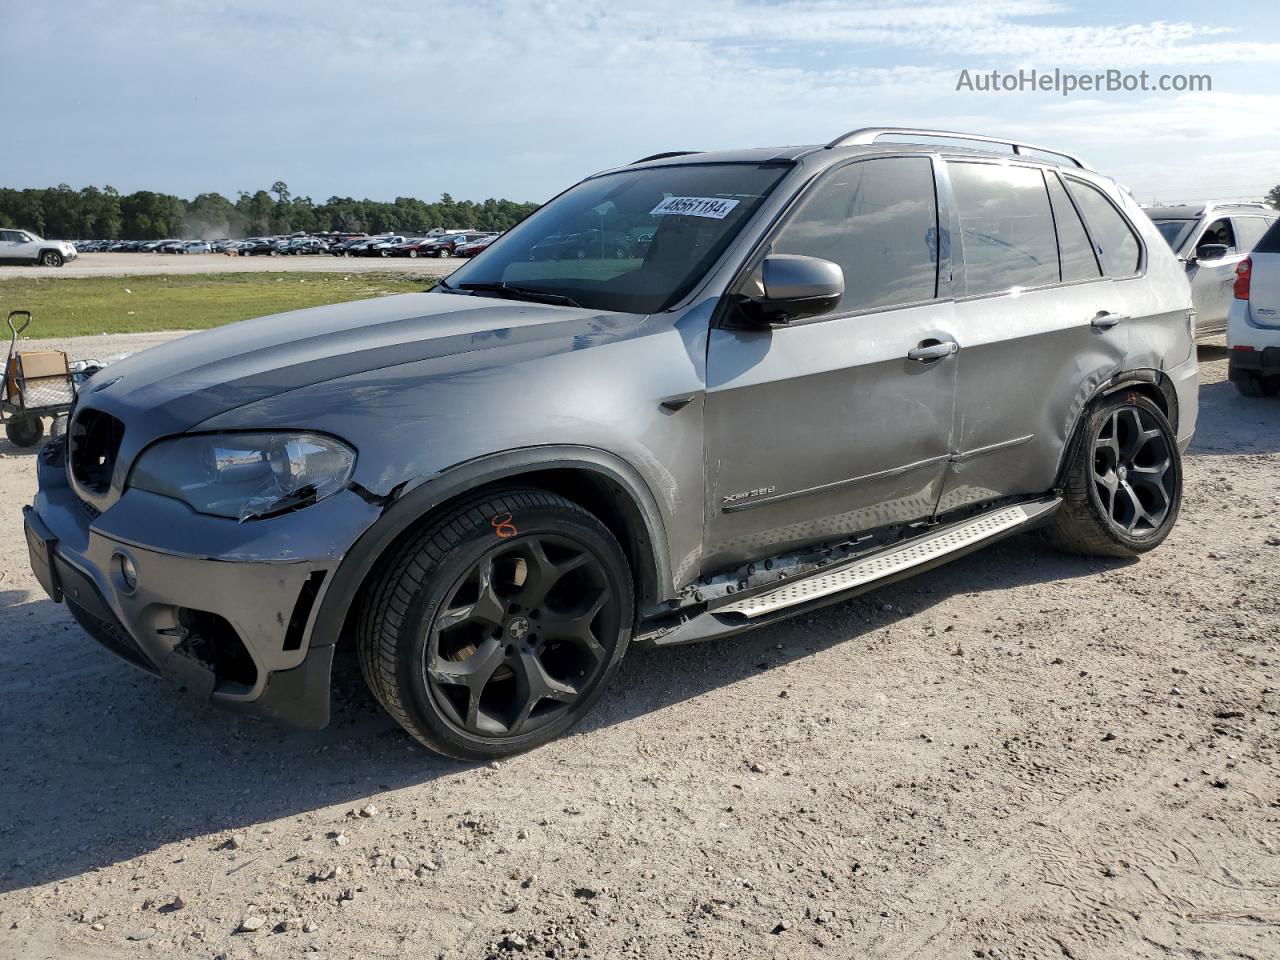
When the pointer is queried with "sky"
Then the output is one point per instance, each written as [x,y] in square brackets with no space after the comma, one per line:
[502,98]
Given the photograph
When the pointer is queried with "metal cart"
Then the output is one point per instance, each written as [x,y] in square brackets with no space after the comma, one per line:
[42,386]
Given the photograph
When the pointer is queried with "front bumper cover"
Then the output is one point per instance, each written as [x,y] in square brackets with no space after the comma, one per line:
[233,625]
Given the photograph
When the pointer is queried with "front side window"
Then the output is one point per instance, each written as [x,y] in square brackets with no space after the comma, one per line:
[877,219]
[583,247]
[1006,226]
[1114,241]
[1220,231]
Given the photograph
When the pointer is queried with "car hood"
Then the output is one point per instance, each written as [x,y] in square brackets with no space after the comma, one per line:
[174,387]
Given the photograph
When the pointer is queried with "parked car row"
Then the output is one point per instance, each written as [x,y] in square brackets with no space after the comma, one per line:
[453,243]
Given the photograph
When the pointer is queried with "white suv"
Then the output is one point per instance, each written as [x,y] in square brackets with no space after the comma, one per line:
[1253,325]
[20,246]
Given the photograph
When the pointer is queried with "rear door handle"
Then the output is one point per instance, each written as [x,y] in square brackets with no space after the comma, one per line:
[930,350]
[1105,320]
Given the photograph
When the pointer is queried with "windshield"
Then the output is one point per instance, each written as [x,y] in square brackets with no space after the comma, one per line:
[1175,231]
[635,241]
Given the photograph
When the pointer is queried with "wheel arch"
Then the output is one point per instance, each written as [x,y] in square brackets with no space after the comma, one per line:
[600,482]
[1152,384]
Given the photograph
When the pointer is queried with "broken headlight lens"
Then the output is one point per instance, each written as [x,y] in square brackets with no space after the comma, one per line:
[245,475]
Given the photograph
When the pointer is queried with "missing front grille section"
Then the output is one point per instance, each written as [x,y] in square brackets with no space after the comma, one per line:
[93,442]
[302,610]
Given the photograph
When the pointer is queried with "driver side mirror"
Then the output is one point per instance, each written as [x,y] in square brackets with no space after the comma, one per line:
[792,287]
[1211,251]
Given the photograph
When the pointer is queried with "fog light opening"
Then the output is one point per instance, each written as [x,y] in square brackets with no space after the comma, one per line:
[127,571]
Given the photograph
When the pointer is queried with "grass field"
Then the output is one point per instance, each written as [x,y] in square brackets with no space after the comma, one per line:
[71,306]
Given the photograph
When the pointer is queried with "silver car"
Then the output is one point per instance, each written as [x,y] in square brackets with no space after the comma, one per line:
[829,368]
[23,246]
[1212,239]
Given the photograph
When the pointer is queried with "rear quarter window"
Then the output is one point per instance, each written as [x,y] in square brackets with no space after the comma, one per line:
[1114,241]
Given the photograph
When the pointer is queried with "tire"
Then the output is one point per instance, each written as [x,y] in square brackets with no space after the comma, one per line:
[443,254]
[275,253]
[485,586]
[413,254]
[1105,512]
[1256,385]
[50,258]
[24,430]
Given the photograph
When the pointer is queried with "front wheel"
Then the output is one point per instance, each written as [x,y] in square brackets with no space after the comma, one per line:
[498,628]
[1124,483]
[50,258]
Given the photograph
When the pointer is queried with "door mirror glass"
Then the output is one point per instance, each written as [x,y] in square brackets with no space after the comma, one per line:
[1211,251]
[792,287]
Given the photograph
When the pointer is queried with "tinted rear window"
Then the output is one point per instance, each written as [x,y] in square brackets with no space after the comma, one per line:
[1270,242]
[1006,225]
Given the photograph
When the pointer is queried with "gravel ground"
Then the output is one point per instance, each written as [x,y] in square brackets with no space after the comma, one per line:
[1019,755]
[131,264]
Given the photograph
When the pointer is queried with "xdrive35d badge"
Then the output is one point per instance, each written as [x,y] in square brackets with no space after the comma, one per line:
[494,489]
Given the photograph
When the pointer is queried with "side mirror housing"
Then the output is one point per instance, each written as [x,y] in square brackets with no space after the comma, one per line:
[1211,251]
[792,287]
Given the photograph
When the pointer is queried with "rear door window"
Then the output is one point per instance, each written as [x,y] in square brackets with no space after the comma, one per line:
[878,219]
[1114,241]
[1249,231]
[1270,242]
[1078,259]
[1006,226]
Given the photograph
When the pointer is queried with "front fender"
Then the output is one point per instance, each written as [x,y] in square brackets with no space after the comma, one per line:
[407,506]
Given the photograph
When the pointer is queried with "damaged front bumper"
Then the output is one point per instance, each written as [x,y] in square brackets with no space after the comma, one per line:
[225,610]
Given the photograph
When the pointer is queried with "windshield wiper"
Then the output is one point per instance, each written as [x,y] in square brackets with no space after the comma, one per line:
[519,293]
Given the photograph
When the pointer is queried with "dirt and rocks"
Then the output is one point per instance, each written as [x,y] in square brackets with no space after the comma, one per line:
[1020,755]
[137,264]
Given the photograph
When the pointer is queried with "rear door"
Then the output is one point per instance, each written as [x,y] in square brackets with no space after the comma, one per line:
[1038,327]
[823,428]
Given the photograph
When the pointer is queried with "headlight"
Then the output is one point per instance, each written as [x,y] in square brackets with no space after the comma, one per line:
[245,475]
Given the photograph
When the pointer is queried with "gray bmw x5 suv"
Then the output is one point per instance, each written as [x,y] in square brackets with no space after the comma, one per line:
[828,368]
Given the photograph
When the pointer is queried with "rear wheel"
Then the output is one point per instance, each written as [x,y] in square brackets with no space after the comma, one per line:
[1124,484]
[24,430]
[498,628]
[1256,385]
[50,258]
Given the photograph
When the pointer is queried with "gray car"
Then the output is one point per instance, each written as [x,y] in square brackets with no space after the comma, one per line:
[1212,239]
[830,367]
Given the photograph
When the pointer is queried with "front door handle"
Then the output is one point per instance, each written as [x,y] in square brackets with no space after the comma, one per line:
[1105,320]
[929,350]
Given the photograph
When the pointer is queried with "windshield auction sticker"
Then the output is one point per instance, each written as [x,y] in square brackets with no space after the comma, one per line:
[713,208]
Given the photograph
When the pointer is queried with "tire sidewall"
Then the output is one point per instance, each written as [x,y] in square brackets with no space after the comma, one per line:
[1097,417]
[412,642]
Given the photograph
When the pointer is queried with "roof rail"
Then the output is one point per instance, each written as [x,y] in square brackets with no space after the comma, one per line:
[664,156]
[872,134]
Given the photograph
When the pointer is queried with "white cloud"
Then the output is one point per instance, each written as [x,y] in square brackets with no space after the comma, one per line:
[500,97]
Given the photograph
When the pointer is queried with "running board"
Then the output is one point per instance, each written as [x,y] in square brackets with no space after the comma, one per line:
[855,576]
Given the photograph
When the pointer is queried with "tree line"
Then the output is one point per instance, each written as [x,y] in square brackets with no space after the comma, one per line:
[94,213]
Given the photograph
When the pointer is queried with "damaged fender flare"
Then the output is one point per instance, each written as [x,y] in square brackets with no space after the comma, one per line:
[415,501]
[1128,378]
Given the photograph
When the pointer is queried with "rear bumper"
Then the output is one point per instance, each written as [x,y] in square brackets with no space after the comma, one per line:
[1186,385]
[231,626]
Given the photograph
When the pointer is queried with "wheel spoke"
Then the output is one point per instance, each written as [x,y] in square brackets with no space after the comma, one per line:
[1128,432]
[576,625]
[533,685]
[472,672]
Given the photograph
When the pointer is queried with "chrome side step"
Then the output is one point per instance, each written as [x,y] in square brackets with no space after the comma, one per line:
[854,576]
[881,565]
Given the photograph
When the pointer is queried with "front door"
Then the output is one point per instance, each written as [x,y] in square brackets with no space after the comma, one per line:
[1212,280]
[824,428]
